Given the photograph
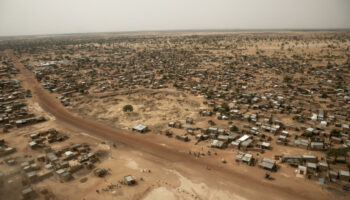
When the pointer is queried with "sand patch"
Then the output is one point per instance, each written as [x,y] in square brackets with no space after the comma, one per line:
[152,108]
[160,194]
[132,164]
[203,191]
[190,190]
[38,108]
[105,147]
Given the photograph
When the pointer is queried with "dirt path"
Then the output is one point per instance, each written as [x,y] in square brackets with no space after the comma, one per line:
[247,185]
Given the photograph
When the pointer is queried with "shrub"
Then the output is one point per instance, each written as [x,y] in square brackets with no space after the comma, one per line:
[337,153]
[225,107]
[127,108]
[308,135]
[234,128]
[287,79]
[335,133]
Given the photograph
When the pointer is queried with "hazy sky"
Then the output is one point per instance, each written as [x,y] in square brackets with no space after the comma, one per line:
[27,17]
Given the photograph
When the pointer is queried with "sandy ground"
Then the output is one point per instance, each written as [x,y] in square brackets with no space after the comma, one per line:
[154,108]
[174,174]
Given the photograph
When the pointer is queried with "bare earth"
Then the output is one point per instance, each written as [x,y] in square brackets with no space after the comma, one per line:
[174,174]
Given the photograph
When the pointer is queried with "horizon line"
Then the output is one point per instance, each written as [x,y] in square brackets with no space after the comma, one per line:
[182,30]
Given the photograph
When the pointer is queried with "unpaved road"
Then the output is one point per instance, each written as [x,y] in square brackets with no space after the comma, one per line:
[247,185]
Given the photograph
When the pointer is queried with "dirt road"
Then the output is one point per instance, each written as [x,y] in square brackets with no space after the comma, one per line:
[248,185]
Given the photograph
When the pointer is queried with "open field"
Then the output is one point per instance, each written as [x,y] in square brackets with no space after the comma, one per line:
[227,93]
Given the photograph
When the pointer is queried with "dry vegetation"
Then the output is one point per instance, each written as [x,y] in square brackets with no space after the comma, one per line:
[154,108]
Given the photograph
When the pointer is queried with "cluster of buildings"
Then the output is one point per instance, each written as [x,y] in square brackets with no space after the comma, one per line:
[13,107]
[5,149]
[257,100]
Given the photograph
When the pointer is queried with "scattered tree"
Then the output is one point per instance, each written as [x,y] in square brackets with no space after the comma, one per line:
[234,128]
[337,152]
[335,132]
[287,79]
[128,108]
[225,107]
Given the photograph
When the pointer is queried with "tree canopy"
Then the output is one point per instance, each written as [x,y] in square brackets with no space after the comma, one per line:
[128,108]
[337,152]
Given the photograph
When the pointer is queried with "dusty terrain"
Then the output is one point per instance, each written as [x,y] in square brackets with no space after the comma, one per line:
[154,108]
[163,167]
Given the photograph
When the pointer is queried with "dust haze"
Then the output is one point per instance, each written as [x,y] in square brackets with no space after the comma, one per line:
[30,17]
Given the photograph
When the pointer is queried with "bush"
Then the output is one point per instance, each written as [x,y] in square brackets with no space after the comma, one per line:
[287,79]
[337,153]
[335,133]
[234,128]
[210,94]
[308,135]
[127,108]
[225,107]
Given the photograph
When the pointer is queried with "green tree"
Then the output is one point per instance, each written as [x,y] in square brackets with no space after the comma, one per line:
[335,132]
[337,152]
[128,108]
[234,128]
[210,94]
[308,134]
[225,107]
[287,79]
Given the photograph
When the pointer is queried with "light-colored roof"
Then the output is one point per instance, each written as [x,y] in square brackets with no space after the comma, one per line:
[213,128]
[268,160]
[344,173]
[32,143]
[309,156]
[333,172]
[129,178]
[243,138]
[285,132]
[140,127]
[60,171]
[316,143]
[27,190]
[217,143]
[267,163]
[247,157]
[282,137]
[247,142]
[311,165]
[186,126]
[265,144]
[323,164]
[302,168]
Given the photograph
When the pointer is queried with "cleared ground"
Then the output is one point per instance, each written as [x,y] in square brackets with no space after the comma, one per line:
[152,107]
